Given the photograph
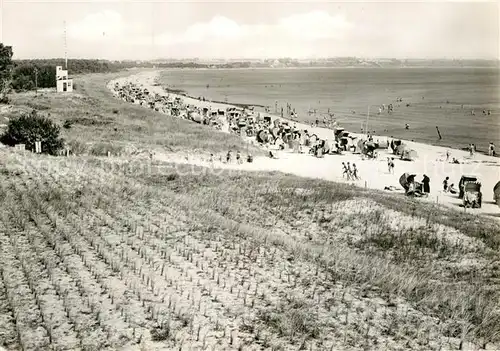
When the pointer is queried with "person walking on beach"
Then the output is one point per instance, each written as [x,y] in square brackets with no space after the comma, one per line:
[355,171]
[445,184]
[345,173]
[447,155]
[349,171]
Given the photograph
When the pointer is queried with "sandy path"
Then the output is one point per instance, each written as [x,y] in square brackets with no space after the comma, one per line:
[374,173]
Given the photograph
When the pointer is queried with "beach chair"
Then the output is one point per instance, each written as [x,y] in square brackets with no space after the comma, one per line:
[496,193]
[472,195]
[463,180]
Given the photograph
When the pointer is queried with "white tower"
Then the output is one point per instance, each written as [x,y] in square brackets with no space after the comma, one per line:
[63,83]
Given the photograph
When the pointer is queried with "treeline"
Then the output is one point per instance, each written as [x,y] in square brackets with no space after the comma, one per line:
[28,74]
[41,73]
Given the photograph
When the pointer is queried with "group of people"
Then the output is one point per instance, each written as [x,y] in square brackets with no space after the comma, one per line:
[348,172]
[413,188]
[230,157]
[449,187]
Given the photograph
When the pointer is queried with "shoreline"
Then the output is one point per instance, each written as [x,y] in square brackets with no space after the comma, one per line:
[184,93]
[450,110]
[181,92]
[431,160]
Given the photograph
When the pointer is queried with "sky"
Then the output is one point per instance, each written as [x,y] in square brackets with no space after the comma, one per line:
[141,30]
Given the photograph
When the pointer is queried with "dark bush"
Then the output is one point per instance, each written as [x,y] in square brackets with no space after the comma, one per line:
[22,82]
[67,124]
[30,128]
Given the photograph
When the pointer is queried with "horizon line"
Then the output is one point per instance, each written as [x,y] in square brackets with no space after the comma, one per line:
[264,58]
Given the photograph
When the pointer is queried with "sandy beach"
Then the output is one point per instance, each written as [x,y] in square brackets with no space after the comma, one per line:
[374,173]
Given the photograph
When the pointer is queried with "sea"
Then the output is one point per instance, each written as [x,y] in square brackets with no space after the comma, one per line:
[463,103]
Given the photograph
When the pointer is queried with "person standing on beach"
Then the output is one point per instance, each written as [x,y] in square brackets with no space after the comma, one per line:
[426,183]
[491,149]
[447,155]
[390,164]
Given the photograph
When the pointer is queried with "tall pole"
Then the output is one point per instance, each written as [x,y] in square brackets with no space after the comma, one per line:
[152,32]
[36,81]
[65,48]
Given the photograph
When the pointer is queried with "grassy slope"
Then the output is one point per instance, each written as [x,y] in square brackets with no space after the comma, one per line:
[264,259]
[103,123]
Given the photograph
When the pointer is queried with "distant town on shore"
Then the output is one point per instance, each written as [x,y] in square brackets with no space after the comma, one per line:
[278,63]
[325,62]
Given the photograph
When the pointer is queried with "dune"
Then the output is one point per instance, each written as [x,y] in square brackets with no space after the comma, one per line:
[373,172]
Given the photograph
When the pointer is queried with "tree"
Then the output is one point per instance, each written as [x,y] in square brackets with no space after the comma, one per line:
[5,71]
[22,82]
[30,128]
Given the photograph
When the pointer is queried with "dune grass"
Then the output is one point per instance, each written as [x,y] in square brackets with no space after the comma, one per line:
[240,259]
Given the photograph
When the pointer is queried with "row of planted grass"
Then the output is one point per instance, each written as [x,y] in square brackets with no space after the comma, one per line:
[247,205]
[470,299]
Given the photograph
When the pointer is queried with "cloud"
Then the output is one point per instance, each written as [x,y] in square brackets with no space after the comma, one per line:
[315,25]
[309,26]
[291,35]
